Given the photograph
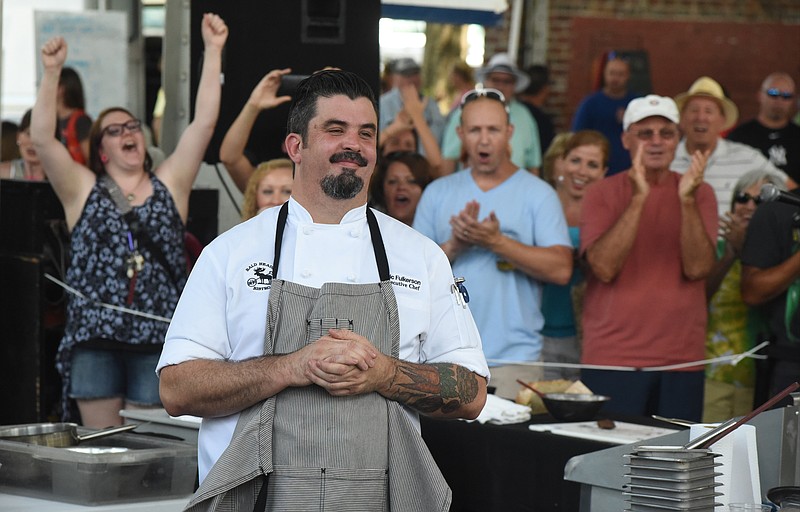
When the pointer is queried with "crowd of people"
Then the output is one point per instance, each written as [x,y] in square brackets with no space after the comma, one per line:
[625,252]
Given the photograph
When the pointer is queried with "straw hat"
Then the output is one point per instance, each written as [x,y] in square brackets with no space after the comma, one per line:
[708,87]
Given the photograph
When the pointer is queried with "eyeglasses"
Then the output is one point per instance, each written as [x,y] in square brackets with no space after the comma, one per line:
[777,93]
[664,134]
[744,198]
[474,94]
[116,129]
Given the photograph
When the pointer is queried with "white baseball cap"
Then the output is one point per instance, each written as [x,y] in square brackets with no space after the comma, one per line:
[649,106]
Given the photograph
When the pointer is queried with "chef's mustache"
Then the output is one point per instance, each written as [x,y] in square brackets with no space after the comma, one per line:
[349,156]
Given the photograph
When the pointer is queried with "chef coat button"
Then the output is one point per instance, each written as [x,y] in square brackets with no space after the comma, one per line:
[351,278]
[306,273]
[307,230]
[355,233]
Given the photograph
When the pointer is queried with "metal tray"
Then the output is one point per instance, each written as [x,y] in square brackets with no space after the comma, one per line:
[667,483]
[149,469]
[694,492]
[671,463]
[641,507]
[674,474]
[680,503]
[673,452]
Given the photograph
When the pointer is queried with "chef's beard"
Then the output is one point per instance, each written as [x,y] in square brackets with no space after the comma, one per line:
[342,186]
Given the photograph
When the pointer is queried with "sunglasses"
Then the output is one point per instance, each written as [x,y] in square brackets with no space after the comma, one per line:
[117,129]
[777,93]
[744,198]
[492,94]
[664,133]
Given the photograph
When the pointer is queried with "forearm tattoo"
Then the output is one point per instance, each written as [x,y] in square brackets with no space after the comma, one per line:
[431,388]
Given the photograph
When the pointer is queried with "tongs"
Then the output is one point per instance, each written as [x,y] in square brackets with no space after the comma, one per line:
[722,430]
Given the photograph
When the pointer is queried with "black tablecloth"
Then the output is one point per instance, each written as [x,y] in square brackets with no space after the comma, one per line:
[506,468]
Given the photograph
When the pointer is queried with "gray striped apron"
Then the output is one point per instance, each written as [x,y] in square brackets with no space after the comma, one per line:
[304,450]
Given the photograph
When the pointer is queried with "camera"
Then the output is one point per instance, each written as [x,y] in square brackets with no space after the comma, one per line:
[289,84]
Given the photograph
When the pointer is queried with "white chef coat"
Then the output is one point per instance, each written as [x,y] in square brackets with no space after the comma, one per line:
[222,311]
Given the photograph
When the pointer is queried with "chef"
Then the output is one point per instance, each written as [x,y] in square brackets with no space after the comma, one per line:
[310,337]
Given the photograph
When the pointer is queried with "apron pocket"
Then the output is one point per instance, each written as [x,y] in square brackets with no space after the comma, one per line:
[294,489]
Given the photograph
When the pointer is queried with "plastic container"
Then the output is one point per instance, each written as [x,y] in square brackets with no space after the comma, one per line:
[140,468]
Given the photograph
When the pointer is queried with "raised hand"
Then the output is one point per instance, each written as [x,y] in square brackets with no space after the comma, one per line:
[264,95]
[214,31]
[465,220]
[400,123]
[638,174]
[693,176]
[411,101]
[54,53]
[733,227]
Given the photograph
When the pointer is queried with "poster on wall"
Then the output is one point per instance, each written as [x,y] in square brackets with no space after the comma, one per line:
[97,48]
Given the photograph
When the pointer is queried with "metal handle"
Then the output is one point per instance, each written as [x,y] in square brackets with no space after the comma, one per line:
[674,421]
[107,432]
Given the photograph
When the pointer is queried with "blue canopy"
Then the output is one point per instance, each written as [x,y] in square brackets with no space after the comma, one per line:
[481,12]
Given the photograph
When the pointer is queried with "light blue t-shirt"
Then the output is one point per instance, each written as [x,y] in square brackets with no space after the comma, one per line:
[526,151]
[504,303]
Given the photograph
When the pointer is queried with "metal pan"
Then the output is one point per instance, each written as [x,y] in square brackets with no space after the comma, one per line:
[56,435]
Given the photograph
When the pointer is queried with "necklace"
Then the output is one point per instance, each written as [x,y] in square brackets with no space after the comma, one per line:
[130,196]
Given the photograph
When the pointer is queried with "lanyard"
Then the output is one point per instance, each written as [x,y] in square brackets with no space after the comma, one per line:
[135,260]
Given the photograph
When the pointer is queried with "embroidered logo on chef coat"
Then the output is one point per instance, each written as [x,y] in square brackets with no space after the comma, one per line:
[406,282]
[259,276]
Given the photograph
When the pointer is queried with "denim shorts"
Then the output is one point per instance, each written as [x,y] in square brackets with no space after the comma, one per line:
[100,373]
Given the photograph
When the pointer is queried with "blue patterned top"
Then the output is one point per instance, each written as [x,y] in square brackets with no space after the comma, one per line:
[98,269]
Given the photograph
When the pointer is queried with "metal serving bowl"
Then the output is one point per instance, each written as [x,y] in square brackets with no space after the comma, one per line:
[573,407]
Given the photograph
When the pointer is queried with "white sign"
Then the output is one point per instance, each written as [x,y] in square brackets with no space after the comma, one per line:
[97,48]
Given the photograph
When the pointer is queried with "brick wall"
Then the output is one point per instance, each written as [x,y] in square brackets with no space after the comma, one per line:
[765,33]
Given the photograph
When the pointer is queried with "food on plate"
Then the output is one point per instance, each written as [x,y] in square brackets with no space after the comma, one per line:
[527,397]
[606,424]
[578,388]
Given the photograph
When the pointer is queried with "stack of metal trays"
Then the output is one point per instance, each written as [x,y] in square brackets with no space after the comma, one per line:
[671,478]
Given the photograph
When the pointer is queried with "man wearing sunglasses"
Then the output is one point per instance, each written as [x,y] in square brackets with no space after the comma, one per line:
[647,236]
[503,230]
[705,113]
[502,74]
[772,131]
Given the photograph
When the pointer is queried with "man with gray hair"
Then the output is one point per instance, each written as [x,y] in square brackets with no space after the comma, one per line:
[705,113]
[647,235]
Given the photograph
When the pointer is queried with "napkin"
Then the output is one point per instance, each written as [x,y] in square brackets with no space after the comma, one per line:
[501,411]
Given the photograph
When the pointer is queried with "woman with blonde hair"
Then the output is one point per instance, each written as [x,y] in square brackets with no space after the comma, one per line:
[583,161]
[269,185]
[553,158]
